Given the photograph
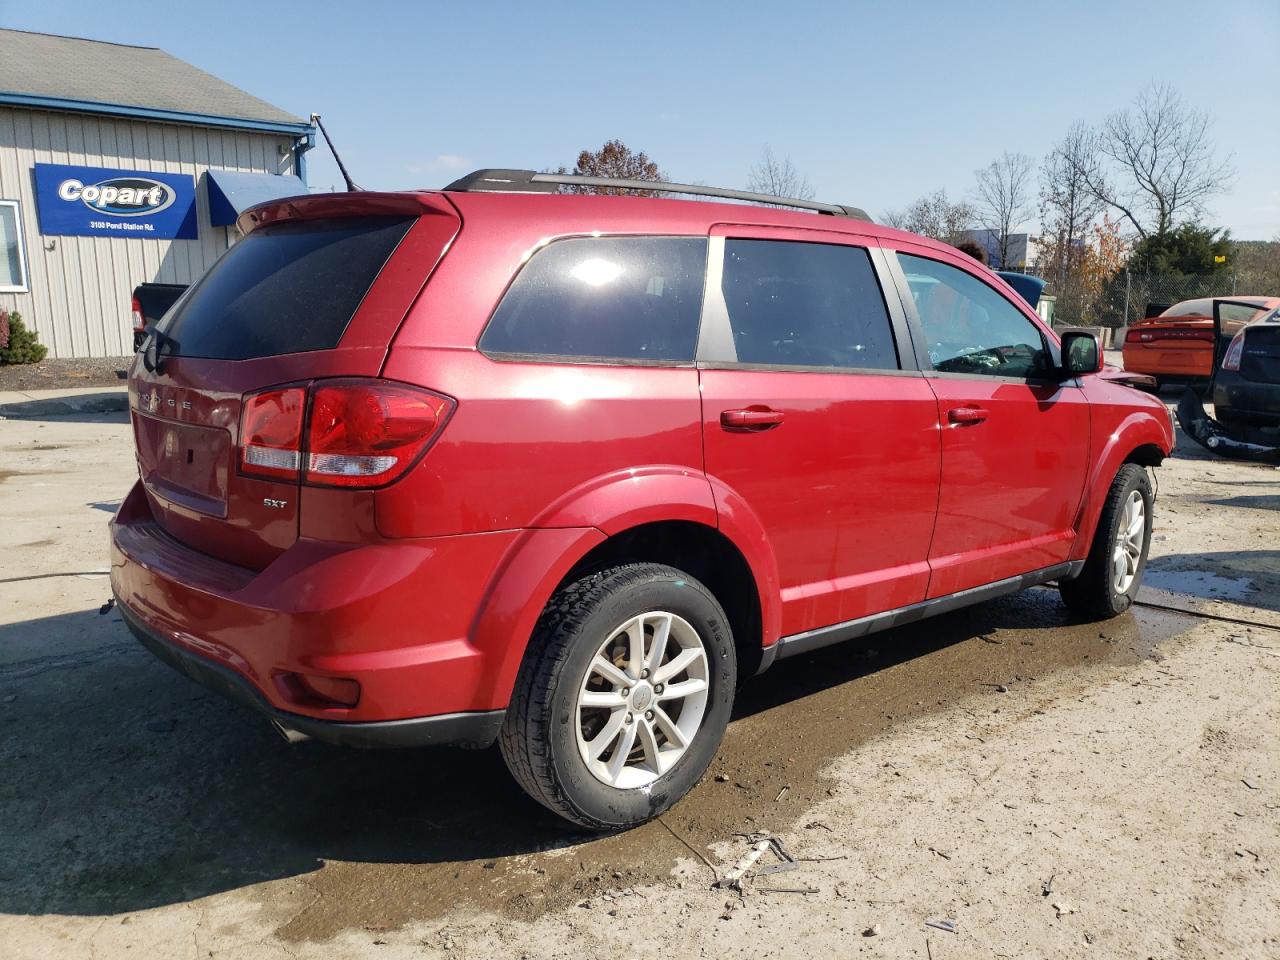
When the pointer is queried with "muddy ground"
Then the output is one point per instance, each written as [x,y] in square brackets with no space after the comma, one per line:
[1055,788]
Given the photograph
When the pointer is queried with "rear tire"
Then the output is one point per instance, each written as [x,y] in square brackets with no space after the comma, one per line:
[609,735]
[1113,571]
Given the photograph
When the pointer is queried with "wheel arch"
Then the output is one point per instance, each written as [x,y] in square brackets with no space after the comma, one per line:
[704,553]
[659,514]
[1140,439]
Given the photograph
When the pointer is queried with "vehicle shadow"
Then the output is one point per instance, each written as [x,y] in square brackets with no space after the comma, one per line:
[127,787]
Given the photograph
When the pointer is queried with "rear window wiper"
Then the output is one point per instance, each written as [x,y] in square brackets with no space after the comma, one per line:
[157,345]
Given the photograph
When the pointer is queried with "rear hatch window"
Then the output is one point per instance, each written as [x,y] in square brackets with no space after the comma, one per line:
[1261,359]
[288,287]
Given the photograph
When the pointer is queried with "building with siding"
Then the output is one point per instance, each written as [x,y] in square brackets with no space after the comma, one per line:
[121,165]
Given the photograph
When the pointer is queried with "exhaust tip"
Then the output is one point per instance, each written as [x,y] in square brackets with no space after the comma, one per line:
[290,735]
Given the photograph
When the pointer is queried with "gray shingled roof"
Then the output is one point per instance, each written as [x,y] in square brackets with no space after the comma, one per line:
[44,65]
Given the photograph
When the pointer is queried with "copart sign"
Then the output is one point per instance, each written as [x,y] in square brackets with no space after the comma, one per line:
[97,202]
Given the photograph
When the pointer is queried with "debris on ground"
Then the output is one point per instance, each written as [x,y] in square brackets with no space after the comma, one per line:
[1063,908]
[805,890]
[872,931]
[1214,437]
[106,607]
[1046,888]
[947,925]
[732,880]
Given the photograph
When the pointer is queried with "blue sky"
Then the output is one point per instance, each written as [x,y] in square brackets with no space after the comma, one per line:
[875,103]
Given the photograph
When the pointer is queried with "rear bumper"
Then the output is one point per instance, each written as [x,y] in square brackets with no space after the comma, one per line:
[394,616]
[1177,364]
[1250,404]
[1246,399]
[461,729]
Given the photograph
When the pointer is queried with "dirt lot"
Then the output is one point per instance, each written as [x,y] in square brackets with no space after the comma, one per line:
[64,374]
[1054,788]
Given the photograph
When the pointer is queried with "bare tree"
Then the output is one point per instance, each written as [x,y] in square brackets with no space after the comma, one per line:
[615,160]
[1005,198]
[778,178]
[933,215]
[1068,209]
[1154,162]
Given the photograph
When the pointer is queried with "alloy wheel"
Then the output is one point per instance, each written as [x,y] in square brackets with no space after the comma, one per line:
[642,700]
[1131,535]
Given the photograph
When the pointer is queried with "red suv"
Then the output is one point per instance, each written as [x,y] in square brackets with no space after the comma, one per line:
[560,471]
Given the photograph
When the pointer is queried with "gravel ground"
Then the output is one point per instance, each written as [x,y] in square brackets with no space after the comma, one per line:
[63,374]
[1055,788]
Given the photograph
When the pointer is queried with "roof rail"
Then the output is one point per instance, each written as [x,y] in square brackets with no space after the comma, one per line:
[530,181]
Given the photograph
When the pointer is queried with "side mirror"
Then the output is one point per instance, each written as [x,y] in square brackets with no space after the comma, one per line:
[1081,353]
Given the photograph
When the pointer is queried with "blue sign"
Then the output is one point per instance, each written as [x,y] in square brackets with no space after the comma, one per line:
[97,202]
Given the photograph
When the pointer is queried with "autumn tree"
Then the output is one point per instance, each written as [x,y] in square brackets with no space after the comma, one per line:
[616,161]
[1005,190]
[1154,163]
[1068,212]
[933,215]
[1100,257]
[778,178]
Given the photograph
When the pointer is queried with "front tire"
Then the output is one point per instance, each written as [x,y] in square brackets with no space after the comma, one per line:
[623,697]
[1107,585]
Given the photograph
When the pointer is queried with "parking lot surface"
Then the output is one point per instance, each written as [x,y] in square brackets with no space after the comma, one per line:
[1048,786]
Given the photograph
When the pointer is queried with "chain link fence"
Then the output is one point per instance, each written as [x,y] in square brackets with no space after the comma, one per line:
[1129,296]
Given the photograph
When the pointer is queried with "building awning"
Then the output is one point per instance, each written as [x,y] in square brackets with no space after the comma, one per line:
[231,192]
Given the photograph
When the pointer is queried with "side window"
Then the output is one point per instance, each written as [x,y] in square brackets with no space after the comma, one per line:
[970,328]
[806,304]
[608,298]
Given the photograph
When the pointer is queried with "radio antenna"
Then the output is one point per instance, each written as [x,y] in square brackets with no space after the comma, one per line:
[351,185]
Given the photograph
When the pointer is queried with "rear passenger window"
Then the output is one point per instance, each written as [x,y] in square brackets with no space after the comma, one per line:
[806,304]
[609,298]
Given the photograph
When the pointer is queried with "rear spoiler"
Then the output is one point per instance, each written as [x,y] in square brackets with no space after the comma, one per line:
[327,206]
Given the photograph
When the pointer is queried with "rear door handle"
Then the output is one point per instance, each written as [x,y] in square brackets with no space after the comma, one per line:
[750,419]
[966,415]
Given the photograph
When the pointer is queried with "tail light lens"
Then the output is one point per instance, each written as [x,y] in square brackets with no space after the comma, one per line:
[271,433]
[1231,361]
[367,433]
[356,433]
[139,321]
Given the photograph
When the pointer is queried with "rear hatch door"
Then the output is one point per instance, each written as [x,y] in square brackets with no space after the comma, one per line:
[317,288]
[1260,356]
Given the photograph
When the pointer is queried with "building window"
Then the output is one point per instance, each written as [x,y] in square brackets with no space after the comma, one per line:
[13,264]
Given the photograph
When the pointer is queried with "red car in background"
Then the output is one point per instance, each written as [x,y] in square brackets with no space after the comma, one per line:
[1178,345]
[497,464]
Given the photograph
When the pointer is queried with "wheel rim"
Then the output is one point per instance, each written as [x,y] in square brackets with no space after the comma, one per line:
[1131,535]
[642,700]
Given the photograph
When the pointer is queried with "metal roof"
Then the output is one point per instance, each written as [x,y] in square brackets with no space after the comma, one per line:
[69,73]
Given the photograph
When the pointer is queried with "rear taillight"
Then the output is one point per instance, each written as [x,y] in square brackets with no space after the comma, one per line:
[271,433]
[1231,361]
[139,321]
[355,433]
[364,433]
